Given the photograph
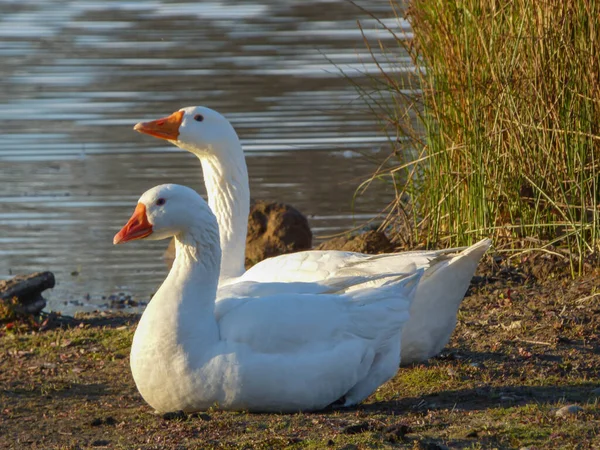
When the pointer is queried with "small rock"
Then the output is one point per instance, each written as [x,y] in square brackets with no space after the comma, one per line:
[110,421]
[396,433]
[569,410]
[596,391]
[100,443]
[121,301]
[96,422]
[357,428]
[175,415]
[507,398]
[202,416]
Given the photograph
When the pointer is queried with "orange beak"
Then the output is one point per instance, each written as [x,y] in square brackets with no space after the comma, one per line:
[137,227]
[166,128]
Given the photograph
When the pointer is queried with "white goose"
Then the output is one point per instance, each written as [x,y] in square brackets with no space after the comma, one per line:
[279,347]
[211,137]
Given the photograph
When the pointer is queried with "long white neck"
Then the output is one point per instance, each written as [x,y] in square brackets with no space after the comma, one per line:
[197,261]
[226,181]
[188,294]
[178,331]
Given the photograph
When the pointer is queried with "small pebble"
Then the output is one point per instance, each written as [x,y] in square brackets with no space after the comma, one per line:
[96,422]
[596,391]
[569,410]
[175,415]
[507,398]
[357,428]
[396,433]
[110,421]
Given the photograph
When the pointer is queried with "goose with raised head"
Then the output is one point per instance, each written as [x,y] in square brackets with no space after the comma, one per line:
[211,137]
[278,347]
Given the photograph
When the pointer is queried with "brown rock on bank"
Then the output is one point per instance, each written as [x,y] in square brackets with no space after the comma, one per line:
[371,242]
[23,293]
[273,229]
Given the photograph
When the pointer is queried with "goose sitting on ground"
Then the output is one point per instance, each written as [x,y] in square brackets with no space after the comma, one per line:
[211,137]
[278,347]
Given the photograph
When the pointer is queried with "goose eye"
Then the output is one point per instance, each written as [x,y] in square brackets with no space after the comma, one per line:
[160,202]
[198,117]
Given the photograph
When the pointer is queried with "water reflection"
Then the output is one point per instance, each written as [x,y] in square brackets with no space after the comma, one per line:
[76,75]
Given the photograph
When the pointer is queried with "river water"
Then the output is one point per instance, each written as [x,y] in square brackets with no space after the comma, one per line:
[77,75]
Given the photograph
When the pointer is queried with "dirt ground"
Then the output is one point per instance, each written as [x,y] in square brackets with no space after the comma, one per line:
[525,348]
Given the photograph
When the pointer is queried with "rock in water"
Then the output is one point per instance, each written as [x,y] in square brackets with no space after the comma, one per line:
[23,293]
[273,229]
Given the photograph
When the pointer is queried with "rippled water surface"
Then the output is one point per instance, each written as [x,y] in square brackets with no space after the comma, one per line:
[76,75]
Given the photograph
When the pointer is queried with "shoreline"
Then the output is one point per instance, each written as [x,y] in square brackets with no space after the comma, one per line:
[524,347]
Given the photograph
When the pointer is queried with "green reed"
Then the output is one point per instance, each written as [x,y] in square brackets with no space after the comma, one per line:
[501,136]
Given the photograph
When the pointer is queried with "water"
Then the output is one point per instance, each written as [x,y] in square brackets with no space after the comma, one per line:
[77,75]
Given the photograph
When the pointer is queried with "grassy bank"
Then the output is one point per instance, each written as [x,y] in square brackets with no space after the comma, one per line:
[504,129]
[522,350]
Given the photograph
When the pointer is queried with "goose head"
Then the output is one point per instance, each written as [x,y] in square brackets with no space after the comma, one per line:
[197,129]
[169,210]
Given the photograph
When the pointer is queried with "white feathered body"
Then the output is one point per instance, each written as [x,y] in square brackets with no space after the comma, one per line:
[265,346]
[447,277]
